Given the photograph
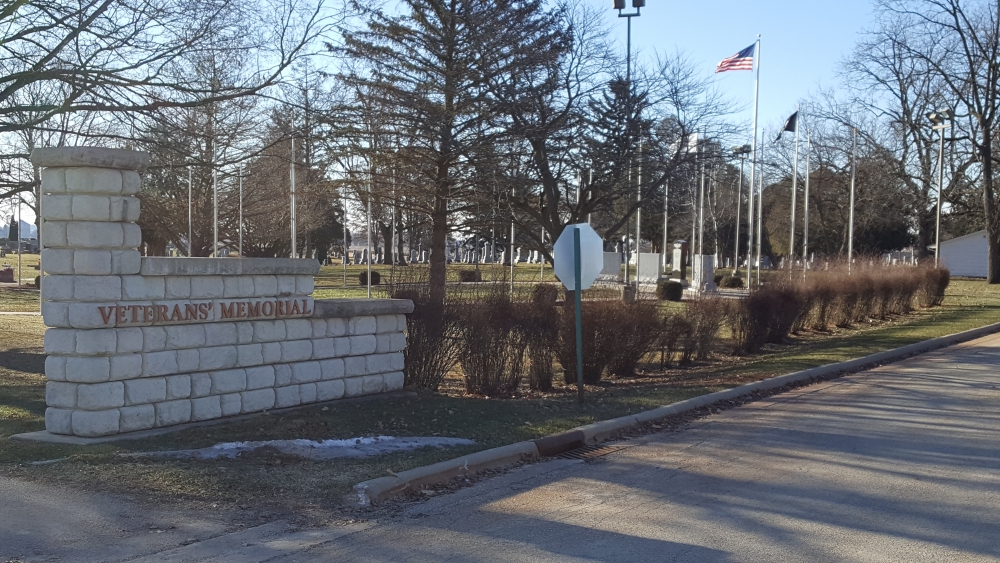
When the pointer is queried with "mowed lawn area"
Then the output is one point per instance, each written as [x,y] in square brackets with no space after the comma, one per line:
[271,482]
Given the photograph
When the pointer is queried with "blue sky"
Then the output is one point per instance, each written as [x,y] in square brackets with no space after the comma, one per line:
[802,43]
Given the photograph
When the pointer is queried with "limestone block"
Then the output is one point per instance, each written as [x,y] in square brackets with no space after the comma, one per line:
[304,285]
[92,263]
[139,417]
[323,348]
[342,346]
[100,396]
[88,370]
[59,421]
[383,343]
[220,357]
[97,288]
[398,342]
[201,384]
[298,329]
[58,288]
[379,363]
[60,394]
[401,323]
[232,404]
[206,287]
[55,314]
[250,355]
[57,208]
[265,286]
[268,331]
[55,368]
[93,181]
[336,327]
[307,393]
[91,208]
[331,369]
[258,400]
[363,345]
[178,386]
[244,333]
[286,285]
[385,324]
[271,352]
[60,341]
[90,424]
[305,372]
[372,384]
[355,365]
[259,377]
[220,334]
[228,381]
[296,350]
[143,288]
[398,360]
[132,235]
[154,338]
[96,235]
[237,286]
[125,209]
[53,180]
[188,360]
[130,182]
[287,396]
[173,412]
[206,408]
[125,262]
[126,366]
[145,390]
[88,314]
[318,328]
[178,287]
[352,386]
[129,340]
[361,325]
[96,342]
[185,336]
[57,261]
[329,390]
[159,363]
[54,234]
[394,381]
[282,375]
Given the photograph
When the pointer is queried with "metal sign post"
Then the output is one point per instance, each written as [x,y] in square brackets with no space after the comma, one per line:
[579,313]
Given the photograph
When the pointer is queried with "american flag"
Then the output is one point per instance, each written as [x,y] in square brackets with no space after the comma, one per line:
[740,61]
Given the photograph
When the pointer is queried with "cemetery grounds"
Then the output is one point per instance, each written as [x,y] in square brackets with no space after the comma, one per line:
[267,484]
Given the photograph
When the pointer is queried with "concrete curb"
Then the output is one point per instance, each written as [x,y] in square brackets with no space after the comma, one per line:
[383,488]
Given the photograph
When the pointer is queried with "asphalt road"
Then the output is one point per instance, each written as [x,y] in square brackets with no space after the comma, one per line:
[900,463]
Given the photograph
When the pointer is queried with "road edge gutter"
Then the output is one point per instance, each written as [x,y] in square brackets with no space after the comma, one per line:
[384,488]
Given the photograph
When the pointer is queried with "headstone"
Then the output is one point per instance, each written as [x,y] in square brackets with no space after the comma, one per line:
[423,257]
[680,260]
[650,267]
[503,257]
[703,272]
[612,270]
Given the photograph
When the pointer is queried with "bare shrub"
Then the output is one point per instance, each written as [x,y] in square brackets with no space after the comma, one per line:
[493,344]
[673,330]
[639,330]
[706,315]
[601,323]
[431,347]
[933,283]
[541,327]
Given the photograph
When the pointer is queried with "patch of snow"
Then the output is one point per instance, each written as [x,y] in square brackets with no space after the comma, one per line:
[319,449]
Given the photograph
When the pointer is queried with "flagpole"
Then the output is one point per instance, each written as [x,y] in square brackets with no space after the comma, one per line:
[760,221]
[638,219]
[795,186]
[739,202]
[666,195]
[750,229]
[854,168]
[753,157]
[805,210]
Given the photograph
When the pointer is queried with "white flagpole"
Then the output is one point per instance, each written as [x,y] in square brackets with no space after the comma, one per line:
[795,186]
[190,183]
[760,221]
[638,220]
[241,211]
[805,226]
[215,203]
[753,149]
[739,203]
[854,167]
[291,178]
[751,197]
[666,195]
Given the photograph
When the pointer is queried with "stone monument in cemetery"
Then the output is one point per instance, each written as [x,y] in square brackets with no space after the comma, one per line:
[140,342]
[679,262]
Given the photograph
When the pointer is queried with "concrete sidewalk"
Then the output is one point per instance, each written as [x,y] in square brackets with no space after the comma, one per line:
[899,463]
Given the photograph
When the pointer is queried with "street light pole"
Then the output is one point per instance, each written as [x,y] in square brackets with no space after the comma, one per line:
[620,5]
[939,119]
[742,153]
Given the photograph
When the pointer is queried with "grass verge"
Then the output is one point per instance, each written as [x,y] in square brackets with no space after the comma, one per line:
[272,482]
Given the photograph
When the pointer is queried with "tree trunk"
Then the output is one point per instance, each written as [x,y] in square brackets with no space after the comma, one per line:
[989,201]
[439,235]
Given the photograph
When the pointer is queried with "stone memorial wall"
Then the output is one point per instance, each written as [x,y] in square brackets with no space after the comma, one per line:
[136,343]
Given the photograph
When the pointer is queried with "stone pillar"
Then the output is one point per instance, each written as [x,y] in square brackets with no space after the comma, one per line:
[679,261]
[90,241]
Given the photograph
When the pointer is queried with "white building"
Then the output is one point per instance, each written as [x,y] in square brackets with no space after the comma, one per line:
[965,256]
